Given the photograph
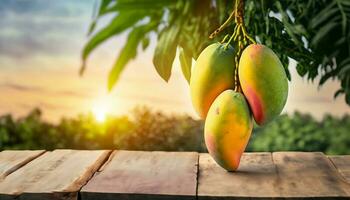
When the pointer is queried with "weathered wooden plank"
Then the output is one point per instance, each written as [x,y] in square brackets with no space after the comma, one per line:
[55,175]
[255,178]
[11,160]
[308,175]
[342,163]
[145,175]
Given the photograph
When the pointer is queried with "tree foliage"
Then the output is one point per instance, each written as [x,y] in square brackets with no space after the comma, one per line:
[315,33]
[148,130]
[302,132]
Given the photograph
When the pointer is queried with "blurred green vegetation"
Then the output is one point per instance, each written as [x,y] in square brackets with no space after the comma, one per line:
[146,129]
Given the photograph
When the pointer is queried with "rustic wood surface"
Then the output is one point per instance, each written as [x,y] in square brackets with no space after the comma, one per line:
[145,175]
[63,174]
[12,160]
[54,175]
[256,178]
[308,175]
[342,163]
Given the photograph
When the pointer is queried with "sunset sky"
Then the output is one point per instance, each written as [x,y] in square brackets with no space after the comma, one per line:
[40,46]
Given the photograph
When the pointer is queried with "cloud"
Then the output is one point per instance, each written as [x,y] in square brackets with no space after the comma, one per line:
[18,87]
[158,99]
[54,8]
[45,105]
[31,27]
[41,90]
[75,94]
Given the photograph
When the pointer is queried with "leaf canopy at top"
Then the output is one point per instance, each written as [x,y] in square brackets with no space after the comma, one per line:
[315,33]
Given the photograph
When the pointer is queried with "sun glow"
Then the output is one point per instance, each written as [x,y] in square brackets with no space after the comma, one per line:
[101,108]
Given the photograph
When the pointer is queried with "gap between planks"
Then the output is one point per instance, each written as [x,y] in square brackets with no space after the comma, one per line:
[342,164]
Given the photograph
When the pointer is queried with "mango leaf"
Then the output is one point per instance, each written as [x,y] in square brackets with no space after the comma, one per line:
[119,24]
[128,52]
[141,5]
[165,51]
[145,42]
[325,15]
[186,64]
[99,9]
[344,19]
[338,92]
[322,33]
[301,69]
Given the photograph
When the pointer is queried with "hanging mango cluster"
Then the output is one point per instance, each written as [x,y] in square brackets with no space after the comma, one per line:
[257,90]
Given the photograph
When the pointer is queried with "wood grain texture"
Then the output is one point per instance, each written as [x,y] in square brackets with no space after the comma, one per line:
[308,175]
[11,160]
[55,175]
[255,178]
[342,163]
[145,175]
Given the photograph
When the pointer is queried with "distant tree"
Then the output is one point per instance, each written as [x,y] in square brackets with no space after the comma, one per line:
[302,132]
[149,130]
[315,33]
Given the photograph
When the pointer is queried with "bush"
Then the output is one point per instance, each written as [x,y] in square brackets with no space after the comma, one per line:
[301,132]
[145,129]
[142,130]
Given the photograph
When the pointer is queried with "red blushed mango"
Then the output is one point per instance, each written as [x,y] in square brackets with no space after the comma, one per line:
[227,129]
[263,81]
[213,73]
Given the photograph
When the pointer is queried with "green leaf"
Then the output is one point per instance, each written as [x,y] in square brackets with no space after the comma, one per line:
[287,24]
[165,51]
[325,15]
[221,7]
[344,20]
[327,76]
[145,42]
[322,33]
[141,5]
[301,69]
[92,27]
[102,6]
[345,69]
[186,64]
[338,92]
[128,52]
[119,24]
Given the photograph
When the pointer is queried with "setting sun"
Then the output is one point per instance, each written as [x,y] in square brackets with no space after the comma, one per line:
[101,108]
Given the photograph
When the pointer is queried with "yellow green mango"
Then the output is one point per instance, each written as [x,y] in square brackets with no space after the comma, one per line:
[227,129]
[263,81]
[212,74]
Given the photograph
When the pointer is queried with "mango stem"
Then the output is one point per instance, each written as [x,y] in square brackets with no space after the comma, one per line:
[223,26]
[240,36]
[225,38]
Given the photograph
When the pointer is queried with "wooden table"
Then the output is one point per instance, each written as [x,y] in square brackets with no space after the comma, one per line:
[106,174]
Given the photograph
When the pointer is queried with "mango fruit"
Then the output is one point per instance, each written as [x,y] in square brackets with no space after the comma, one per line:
[263,81]
[227,129]
[213,73]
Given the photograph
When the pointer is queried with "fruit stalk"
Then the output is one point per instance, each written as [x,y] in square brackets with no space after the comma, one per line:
[239,36]
[239,33]
[223,26]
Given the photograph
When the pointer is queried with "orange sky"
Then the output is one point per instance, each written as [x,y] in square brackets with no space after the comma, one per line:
[40,56]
